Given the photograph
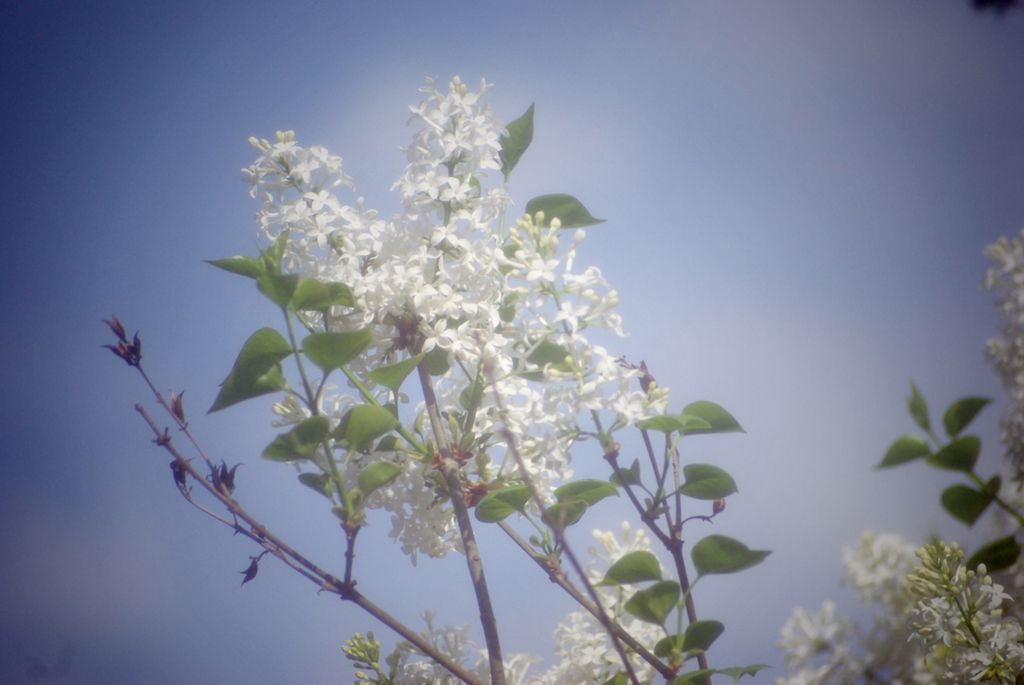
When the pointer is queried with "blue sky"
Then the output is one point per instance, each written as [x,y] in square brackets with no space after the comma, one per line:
[797,195]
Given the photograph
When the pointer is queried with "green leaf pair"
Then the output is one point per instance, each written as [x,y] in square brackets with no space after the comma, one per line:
[696,418]
[957,416]
[572,501]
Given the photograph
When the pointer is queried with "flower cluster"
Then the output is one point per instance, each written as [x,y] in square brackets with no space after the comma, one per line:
[1006,352]
[959,618]
[505,309]
[584,648]
[825,647]
[584,651]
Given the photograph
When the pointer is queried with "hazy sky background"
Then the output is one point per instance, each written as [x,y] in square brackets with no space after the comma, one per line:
[797,197]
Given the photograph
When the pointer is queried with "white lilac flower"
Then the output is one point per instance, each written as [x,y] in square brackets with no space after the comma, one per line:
[1006,352]
[876,568]
[807,636]
[442,274]
[959,618]
[584,648]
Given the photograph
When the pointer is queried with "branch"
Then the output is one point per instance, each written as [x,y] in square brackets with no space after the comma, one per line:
[449,468]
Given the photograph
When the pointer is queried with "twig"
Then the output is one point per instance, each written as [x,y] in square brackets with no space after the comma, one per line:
[449,469]
[602,615]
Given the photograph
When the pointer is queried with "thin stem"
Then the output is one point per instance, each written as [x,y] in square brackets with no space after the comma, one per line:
[449,469]
[256,531]
[557,576]
[558,530]
[310,396]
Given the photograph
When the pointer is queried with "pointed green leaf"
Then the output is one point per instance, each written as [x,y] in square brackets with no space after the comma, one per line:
[961,413]
[392,375]
[959,455]
[737,672]
[587,491]
[992,486]
[377,475]
[635,567]
[499,504]
[671,423]
[653,604]
[313,295]
[249,267]
[704,481]
[320,482]
[256,370]
[904,449]
[564,514]
[669,647]
[331,351]
[300,442]
[997,555]
[630,476]
[701,634]
[363,424]
[548,352]
[514,144]
[722,554]
[568,209]
[274,255]
[437,361]
[698,677]
[721,421]
[918,408]
[278,287]
[619,678]
[965,503]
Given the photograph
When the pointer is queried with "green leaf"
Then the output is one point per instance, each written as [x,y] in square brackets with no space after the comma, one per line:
[701,634]
[721,421]
[273,255]
[331,351]
[363,424]
[564,514]
[313,295]
[548,352]
[630,476]
[392,375]
[918,408]
[278,287]
[568,209]
[300,442]
[961,413]
[698,677]
[959,455]
[437,361]
[737,672]
[587,491]
[992,486]
[904,449]
[704,481]
[320,482]
[654,603]
[513,145]
[635,567]
[965,503]
[256,370]
[619,678]
[671,423]
[376,475]
[997,555]
[722,554]
[250,267]
[499,504]
[670,646]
